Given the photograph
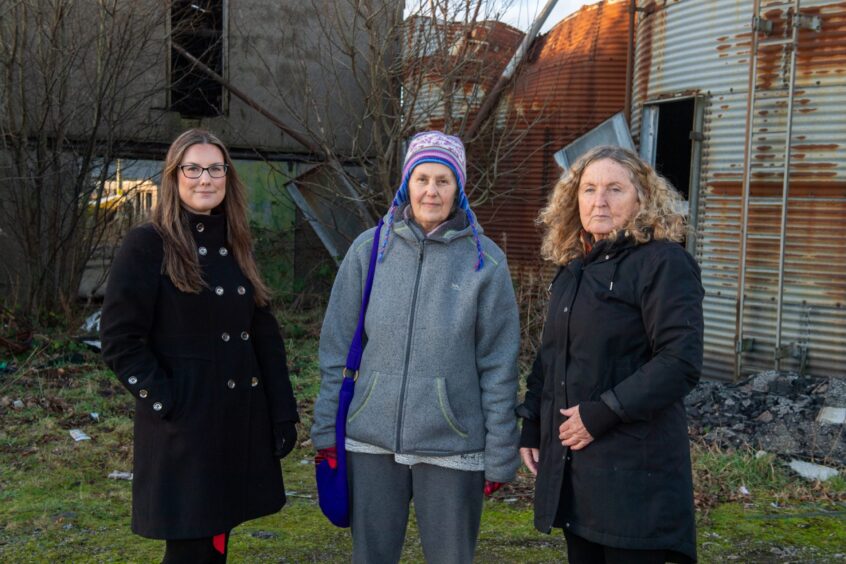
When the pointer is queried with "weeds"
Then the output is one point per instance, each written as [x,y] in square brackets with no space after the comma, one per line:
[57,503]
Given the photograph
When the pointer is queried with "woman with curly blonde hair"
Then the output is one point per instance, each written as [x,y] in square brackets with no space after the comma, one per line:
[604,425]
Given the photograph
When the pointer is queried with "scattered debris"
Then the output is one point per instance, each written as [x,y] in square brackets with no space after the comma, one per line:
[832,416]
[775,412]
[118,475]
[94,416]
[79,435]
[744,490]
[298,494]
[812,471]
[95,345]
[91,325]
[18,404]
[263,535]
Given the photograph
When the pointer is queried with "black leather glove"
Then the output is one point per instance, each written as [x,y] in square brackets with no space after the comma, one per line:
[285,434]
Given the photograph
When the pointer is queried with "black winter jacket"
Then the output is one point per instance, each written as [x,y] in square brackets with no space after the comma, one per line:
[210,380]
[623,339]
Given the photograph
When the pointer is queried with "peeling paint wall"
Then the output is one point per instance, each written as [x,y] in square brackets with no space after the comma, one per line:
[704,46]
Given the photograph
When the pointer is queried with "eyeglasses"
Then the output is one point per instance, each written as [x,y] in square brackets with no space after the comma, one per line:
[193,171]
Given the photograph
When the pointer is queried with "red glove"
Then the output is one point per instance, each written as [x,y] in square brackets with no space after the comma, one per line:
[491,487]
[330,455]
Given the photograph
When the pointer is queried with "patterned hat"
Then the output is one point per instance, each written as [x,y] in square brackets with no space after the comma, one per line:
[434,147]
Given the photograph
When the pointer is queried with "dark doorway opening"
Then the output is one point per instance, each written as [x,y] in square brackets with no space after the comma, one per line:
[673,146]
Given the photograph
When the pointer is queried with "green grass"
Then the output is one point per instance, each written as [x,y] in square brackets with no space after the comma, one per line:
[57,504]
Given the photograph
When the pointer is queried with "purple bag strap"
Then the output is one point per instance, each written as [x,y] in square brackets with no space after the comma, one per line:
[356,348]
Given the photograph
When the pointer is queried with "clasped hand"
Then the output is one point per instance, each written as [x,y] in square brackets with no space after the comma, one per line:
[572,433]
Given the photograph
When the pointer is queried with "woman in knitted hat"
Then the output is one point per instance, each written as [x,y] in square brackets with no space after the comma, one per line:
[433,413]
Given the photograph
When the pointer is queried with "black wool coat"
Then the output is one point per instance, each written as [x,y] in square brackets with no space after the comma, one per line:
[209,375]
[623,334]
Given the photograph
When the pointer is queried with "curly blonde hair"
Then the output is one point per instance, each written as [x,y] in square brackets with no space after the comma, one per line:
[659,215]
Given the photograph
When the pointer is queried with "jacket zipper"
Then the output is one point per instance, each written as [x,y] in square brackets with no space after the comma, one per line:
[408,345]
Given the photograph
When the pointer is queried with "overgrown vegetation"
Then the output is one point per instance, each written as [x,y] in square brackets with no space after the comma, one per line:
[58,504]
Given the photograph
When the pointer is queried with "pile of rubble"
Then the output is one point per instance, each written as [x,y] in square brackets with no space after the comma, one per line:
[779,412]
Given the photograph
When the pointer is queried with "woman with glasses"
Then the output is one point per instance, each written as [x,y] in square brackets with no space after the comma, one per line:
[187,329]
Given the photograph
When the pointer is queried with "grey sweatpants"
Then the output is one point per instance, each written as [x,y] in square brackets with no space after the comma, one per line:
[447,504]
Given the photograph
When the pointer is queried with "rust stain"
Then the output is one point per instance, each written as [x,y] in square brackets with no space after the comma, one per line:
[807,189]
[816,146]
[814,165]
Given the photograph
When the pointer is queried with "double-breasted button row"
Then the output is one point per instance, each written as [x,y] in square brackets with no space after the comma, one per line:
[223,251]
[226,336]
[231,383]
[200,227]
[220,291]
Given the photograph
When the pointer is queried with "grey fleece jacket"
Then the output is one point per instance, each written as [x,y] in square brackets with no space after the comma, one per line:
[438,375]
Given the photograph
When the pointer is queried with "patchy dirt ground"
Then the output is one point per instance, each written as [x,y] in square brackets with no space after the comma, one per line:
[57,502]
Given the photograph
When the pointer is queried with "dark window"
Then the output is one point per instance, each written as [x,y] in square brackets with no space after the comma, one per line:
[197,26]
[673,148]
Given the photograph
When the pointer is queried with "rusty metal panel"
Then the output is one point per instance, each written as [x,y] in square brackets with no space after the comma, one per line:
[693,46]
[573,80]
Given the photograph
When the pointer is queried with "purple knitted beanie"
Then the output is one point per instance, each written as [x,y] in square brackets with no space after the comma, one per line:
[434,147]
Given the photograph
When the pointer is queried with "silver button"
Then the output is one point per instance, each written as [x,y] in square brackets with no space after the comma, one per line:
[142,394]
[241,290]
[219,290]
[566,309]
[203,251]
[225,337]
[201,227]
[223,251]
[607,257]
[567,525]
[254,382]
[132,380]
[244,335]
[157,406]
[230,384]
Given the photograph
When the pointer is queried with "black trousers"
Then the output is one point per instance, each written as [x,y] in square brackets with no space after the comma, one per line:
[582,551]
[196,551]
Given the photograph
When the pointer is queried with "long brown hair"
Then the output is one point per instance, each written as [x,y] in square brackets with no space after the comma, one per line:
[181,263]
[659,215]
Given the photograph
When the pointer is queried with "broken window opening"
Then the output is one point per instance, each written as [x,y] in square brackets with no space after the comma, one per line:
[197,26]
[673,147]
